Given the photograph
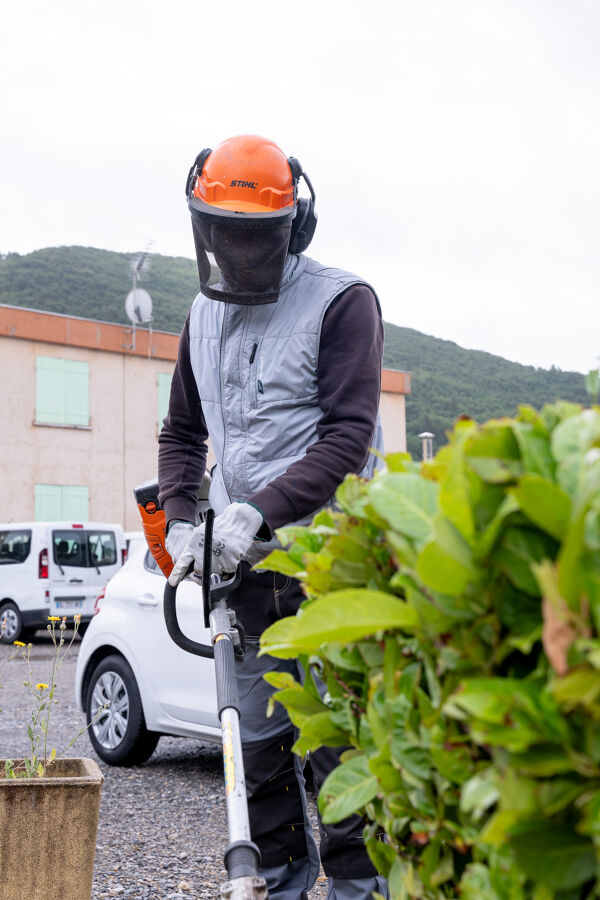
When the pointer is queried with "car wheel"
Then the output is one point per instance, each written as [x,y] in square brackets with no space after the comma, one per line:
[11,623]
[115,717]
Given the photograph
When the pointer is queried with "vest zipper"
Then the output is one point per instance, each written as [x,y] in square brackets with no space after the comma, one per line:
[276,595]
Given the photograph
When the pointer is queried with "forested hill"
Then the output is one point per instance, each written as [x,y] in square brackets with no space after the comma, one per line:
[447,380]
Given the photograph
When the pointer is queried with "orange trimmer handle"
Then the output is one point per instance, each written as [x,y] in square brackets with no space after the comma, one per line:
[154,524]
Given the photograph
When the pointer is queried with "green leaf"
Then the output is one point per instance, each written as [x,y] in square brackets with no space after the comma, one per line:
[570,563]
[534,445]
[476,884]
[570,442]
[592,384]
[407,756]
[542,762]
[453,762]
[555,856]
[347,615]
[480,793]
[581,687]
[347,790]
[281,680]
[318,731]
[406,501]
[445,564]
[544,503]
[521,548]
[399,462]
[488,537]
[352,496]
[455,499]
[396,886]
[495,471]
[280,561]
[299,704]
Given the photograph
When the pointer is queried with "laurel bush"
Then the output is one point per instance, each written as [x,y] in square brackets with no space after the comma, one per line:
[451,640]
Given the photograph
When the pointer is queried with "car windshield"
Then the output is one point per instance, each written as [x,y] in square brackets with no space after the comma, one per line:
[14,546]
[84,549]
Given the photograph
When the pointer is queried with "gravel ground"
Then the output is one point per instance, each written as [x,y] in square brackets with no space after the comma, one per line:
[163,828]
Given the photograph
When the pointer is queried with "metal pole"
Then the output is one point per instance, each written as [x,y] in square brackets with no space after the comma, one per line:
[427,444]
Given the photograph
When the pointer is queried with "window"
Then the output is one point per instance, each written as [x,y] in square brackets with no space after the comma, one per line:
[150,563]
[61,501]
[84,549]
[69,548]
[62,392]
[164,391]
[102,548]
[14,546]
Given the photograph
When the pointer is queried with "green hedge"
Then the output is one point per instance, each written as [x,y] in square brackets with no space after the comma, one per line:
[453,613]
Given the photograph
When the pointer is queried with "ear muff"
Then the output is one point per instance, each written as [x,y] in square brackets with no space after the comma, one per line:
[305,220]
[196,169]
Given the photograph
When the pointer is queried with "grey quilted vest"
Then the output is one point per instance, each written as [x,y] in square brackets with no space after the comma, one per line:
[256,371]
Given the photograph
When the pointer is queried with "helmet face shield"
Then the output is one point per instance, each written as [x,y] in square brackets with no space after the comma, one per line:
[243,199]
[249,251]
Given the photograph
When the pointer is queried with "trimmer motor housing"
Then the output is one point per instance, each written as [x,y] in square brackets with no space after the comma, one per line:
[154,520]
[154,523]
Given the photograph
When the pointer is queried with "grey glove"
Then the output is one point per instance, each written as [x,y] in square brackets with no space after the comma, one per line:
[233,533]
[177,538]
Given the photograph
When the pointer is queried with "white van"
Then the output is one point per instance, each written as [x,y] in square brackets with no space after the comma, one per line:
[54,569]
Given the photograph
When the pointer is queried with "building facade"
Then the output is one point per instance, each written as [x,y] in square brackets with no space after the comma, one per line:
[82,405]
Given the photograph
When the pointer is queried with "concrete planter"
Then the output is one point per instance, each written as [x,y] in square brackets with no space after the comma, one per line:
[48,832]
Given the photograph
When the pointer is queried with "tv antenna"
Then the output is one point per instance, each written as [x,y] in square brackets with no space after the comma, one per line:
[138,303]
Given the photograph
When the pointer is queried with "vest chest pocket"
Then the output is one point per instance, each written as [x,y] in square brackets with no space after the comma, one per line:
[283,370]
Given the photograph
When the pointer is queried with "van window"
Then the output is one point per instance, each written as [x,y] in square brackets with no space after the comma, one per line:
[70,548]
[14,546]
[84,549]
[102,548]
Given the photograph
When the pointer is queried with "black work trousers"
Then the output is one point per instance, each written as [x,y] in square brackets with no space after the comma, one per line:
[274,781]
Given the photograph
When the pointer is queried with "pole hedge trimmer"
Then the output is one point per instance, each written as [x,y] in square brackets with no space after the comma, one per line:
[242,856]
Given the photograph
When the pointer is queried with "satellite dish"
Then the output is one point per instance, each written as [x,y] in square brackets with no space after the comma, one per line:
[138,306]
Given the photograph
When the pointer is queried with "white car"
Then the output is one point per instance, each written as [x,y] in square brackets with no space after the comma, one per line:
[132,681]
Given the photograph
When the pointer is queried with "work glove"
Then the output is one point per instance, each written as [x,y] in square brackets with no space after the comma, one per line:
[233,533]
[178,535]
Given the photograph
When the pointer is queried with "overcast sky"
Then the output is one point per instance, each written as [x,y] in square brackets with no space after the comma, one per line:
[454,145]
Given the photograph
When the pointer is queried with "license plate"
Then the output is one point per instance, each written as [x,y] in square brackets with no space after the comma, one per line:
[68,604]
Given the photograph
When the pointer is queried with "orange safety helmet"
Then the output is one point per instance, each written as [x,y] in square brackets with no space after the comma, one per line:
[247,183]
[247,174]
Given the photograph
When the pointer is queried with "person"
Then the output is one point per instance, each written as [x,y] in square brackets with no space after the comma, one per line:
[279,362]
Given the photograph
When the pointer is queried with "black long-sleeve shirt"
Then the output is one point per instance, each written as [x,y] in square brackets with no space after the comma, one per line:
[349,383]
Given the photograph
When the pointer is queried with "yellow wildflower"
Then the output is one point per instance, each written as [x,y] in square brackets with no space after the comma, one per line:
[19,644]
[41,686]
[54,618]
[77,617]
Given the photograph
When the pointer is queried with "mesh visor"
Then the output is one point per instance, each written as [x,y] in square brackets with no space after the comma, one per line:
[249,251]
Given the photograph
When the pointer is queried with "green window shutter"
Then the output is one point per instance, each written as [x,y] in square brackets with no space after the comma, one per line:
[76,501]
[50,395]
[77,399]
[164,392]
[48,502]
[61,501]
[62,391]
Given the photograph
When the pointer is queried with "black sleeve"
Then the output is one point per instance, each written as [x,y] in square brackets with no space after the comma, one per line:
[182,442]
[349,383]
